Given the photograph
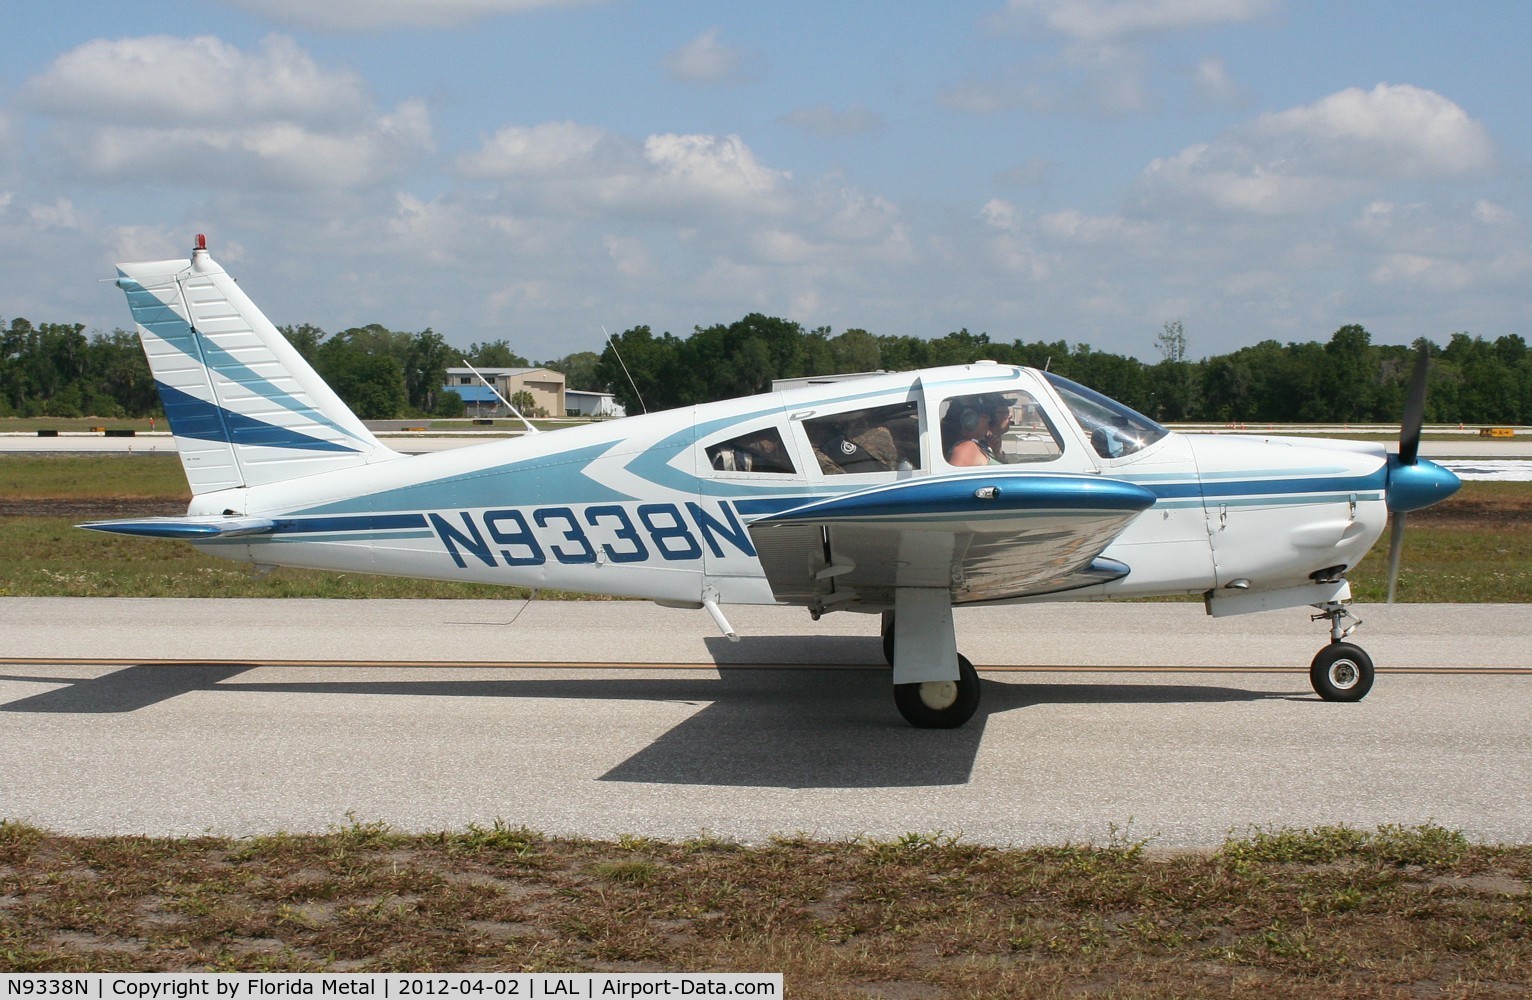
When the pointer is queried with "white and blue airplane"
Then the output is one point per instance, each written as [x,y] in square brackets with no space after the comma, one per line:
[907,495]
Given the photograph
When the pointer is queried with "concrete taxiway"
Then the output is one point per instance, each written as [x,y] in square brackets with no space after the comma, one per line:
[602,718]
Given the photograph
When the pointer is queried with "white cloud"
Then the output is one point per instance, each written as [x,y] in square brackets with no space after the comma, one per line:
[1491,214]
[1103,63]
[1102,20]
[1072,226]
[58,214]
[630,256]
[825,120]
[1309,157]
[1002,215]
[160,80]
[372,15]
[550,150]
[1436,274]
[1214,86]
[1393,131]
[201,111]
[721,169]
[564,167]
[698,216]
[706,60]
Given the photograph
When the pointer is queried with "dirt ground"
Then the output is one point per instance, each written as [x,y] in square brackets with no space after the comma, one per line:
[1481,511]
[93,508]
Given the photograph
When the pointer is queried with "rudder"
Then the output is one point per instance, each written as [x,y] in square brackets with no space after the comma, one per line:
[244,406]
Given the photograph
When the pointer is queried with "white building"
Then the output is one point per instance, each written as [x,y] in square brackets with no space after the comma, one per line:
[588,403]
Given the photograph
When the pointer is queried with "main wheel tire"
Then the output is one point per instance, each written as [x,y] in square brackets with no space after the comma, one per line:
[888,637]
[940,704]
[1341,672]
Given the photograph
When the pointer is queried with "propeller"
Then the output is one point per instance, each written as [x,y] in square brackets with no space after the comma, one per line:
[1411,483]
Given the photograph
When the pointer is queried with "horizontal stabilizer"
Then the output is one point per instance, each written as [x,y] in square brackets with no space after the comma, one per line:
[187,528]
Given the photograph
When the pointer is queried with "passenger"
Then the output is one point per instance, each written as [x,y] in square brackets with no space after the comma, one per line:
[756,453]
[863,446]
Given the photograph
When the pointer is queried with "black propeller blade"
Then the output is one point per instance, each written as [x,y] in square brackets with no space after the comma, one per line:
[1409,452]
[1395,550]
[1414,411]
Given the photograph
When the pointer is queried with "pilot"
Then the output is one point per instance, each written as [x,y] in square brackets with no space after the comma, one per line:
[1000,422]
[973,428]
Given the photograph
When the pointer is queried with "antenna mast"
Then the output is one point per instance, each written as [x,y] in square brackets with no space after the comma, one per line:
[636,394]
[507,402]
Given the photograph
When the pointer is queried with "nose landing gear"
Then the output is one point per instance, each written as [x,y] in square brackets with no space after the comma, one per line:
[1341,671]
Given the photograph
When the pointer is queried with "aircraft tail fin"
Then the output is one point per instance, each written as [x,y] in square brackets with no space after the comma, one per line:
[244,406]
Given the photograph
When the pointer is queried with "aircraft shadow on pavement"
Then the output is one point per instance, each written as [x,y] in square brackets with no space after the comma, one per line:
[779,727]
[125,690]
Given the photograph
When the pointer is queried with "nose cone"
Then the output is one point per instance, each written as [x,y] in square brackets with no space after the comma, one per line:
[1420,484]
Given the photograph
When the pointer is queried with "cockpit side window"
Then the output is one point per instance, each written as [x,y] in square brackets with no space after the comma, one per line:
[757,451]
[997,428]
[1114,430]
[874,439]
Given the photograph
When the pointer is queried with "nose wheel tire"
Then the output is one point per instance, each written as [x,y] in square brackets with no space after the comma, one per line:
[1341,672]
[940,704]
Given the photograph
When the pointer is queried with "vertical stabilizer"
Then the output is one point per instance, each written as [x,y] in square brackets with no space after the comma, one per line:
[245,408]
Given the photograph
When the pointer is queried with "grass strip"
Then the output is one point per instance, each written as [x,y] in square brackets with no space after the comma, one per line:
[1331,911]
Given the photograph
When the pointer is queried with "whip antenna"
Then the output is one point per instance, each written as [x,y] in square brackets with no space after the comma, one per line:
[637,395]
[507,402]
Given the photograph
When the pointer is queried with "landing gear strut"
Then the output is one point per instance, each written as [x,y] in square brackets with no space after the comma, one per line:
[914,641]
[1341,671]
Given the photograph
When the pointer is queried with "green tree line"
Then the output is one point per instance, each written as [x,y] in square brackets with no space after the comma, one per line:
[54,369]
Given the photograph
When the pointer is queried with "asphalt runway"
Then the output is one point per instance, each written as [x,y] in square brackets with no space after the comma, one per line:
[603,718]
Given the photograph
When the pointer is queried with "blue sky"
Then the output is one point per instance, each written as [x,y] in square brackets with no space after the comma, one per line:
[536,169]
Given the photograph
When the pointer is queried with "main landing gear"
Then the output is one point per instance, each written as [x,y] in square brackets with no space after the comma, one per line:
[940,704]
[934,704]
[1341,671]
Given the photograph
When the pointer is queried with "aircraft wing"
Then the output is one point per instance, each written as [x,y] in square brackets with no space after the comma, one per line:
[984,537]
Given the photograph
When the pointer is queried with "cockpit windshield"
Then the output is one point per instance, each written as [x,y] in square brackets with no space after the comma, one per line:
[1114,430]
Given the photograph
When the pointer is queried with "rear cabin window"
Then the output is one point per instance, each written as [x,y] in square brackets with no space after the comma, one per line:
[876,439]
[757,451]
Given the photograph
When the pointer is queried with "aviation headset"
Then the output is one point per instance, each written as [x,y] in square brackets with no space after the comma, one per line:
[971,409]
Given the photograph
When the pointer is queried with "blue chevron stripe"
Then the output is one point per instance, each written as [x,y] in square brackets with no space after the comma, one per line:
[191,417]
[172,328]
